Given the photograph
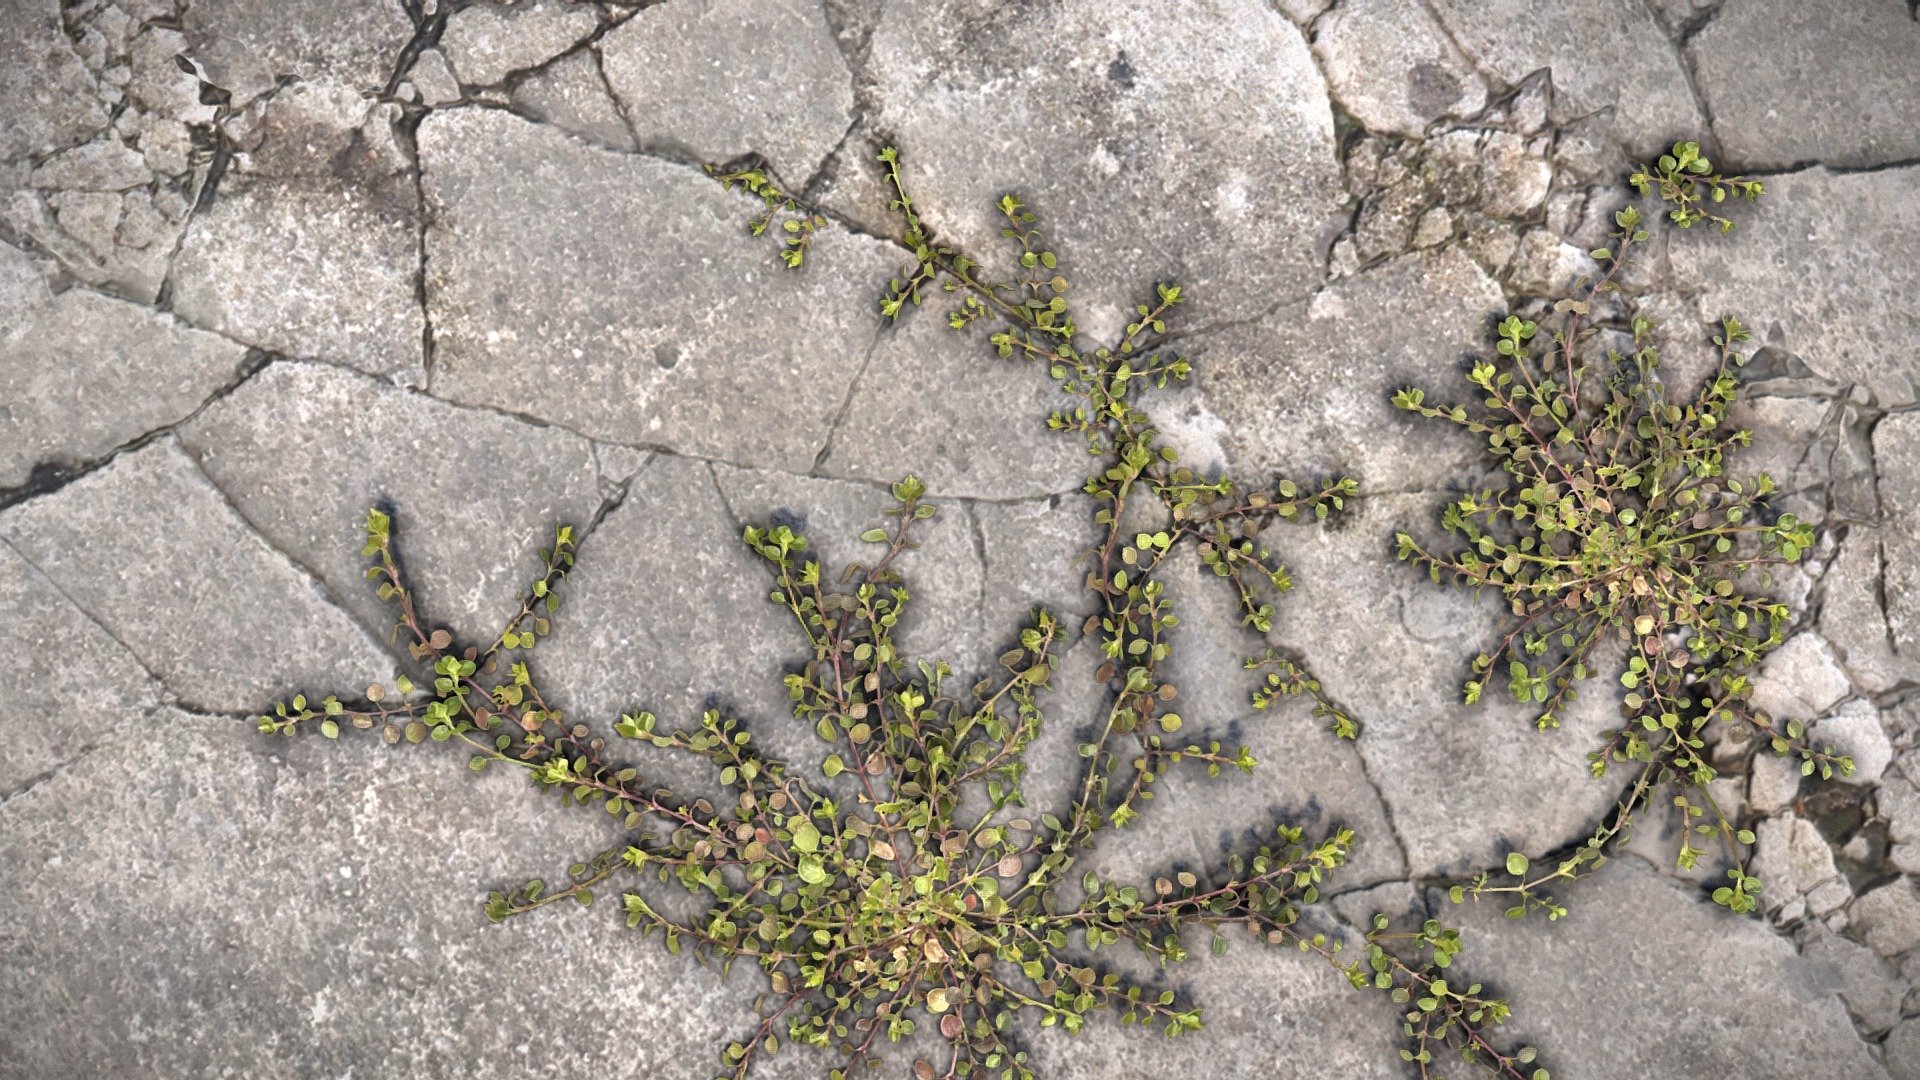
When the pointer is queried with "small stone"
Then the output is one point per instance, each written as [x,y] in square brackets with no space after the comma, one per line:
[1792,859]
[716,81]
[1435,228]
[1545,265]
[1800,679]
[1514,179]
[1854,729]
[1889,917]
[484,43]
[434,79]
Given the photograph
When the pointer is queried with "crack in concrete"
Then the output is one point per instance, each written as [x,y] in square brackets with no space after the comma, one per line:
[48,477]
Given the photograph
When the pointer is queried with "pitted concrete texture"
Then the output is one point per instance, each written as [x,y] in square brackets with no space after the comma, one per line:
[265,263]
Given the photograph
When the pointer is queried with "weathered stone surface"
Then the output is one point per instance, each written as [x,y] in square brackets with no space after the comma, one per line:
[71,686]
[1604,57]
[538,244]
[1797,273]
[1856,731]
[1662,978]
[970,423]
[284,909]
[1789,83]
[1896,449]
[668,611]
[1306,776]
[1090,106]
[1793,861]
[49,93]
[1902,1050]
[316,273]
[81,373]
[109,197]
[1307,391]
[303,450]
[1852,618]
[1391,66]
[1265,1008]
[246,47]
[1869,986]
[1464,783]
[1774,784]
[715,81]
[1888,918]
[1800,679]
[151,551]
[487,42]
[570,94]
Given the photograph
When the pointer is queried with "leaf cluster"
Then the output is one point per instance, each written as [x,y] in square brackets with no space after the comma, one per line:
[1617,531]
[908,885]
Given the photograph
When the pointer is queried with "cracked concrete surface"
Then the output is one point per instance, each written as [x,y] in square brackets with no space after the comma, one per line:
[263,264]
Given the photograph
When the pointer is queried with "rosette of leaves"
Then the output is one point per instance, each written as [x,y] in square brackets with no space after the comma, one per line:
[908,884]
[1618,522]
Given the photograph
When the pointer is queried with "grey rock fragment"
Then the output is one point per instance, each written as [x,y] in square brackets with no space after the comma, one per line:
[1896,449]
[570,94]
[487,42]
[434,78]
[1888,917]
[303,450]
[50,94]
[1797,274]
[1854,729]
[1130,91]
[1789,82]
[151,550]
[1774,784]
[1391,66]
[1794,862]
[1609,959]
[537,243]
[715,81]
[246,46]
[60,405]
[1800,679]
